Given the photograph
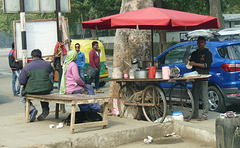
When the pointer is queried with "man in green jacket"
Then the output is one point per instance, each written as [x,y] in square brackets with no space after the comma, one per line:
[35,80]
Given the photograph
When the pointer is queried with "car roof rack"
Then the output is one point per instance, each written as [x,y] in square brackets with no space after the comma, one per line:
[193,35]
[225,34]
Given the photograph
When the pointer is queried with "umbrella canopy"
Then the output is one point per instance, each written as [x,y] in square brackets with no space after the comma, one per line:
[154,18]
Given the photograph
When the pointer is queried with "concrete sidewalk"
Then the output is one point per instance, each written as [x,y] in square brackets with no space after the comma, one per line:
[15,133]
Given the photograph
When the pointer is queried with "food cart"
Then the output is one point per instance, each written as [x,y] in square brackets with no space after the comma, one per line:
[149,95]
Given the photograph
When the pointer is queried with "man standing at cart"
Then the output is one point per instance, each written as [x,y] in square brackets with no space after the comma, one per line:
[201,60]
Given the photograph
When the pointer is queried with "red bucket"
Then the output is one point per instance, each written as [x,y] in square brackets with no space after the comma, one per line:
[152,72]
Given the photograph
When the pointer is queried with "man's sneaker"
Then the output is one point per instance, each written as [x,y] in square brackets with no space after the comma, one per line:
[43,115]
[33,114]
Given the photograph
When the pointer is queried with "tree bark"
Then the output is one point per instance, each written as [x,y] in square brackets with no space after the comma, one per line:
[93,32]
[216,11]
[130,43]
[162,33]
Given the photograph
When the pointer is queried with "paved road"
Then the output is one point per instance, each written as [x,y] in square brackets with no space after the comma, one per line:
[4,67]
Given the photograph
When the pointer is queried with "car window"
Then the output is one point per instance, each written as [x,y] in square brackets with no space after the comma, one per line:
[230,52]
[192,49]
[175,55]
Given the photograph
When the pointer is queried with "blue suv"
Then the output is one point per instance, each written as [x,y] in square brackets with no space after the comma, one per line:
[224,84]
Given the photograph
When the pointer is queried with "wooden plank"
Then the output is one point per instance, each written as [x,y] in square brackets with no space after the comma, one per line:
[139,104]
[72,124]
[56,111]
[91,124]
[72,99]
[27,115]
[180,79]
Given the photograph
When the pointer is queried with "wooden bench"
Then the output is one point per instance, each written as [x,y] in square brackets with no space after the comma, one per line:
[73,99]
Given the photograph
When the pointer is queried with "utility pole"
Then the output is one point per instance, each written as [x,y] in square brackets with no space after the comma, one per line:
[23,32]
[58,59]
[58,15]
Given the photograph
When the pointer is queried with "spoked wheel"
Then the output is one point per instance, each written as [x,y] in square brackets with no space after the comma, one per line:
[181,99]
[126,95]
[154,103]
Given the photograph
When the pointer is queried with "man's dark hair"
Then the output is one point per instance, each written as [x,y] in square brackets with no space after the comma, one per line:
[201,38]
[36,53]
[12,45]
[94,43]
[77,44]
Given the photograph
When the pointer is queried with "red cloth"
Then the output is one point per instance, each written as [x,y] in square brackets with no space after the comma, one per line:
[64,50]
[94,60]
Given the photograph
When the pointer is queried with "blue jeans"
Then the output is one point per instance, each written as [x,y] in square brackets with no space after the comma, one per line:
[23,100]
[81,73]
[15,77]
[44,105]
[88,107]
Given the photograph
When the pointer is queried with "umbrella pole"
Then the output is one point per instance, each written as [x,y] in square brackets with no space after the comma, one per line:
[152,46]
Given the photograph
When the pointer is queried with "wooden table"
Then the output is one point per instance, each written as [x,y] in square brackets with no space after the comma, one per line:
[73,99]
[153,100]
[172,80]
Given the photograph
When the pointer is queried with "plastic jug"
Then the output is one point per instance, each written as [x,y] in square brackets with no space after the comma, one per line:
[166,72]
[177,115]
[152,71]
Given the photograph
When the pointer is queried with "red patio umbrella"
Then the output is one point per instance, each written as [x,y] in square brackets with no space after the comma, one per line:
[154,18]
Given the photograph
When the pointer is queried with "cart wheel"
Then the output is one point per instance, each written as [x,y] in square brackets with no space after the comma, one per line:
[154,95]
[181,99]
[126,95]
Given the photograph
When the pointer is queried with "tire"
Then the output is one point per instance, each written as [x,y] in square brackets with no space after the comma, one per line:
[150,95]
[101,84]
[125,94]
[216,100]
[182,101]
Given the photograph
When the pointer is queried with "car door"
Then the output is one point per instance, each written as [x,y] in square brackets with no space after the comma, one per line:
[175,57]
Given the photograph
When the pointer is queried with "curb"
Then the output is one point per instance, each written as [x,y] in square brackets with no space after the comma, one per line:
[186,130]
[118,138]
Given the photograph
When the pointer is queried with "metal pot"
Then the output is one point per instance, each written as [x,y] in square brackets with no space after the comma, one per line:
[141,74]
[158,74]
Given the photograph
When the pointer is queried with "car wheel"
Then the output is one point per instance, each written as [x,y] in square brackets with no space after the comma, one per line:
[216,100]
[101,84]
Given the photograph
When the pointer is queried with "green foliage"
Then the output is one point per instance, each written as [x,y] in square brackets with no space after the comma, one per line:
[92,9]
[230,6]
[193,6]
[109,52]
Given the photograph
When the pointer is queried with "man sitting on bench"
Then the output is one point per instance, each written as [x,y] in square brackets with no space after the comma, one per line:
[35,80]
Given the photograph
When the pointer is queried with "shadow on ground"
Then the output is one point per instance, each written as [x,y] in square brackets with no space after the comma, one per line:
[5,99]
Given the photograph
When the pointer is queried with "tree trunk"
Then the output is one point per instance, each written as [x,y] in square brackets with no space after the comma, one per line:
[162,33]
[162,40]
[130,43]
[93,32]
[216,11]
